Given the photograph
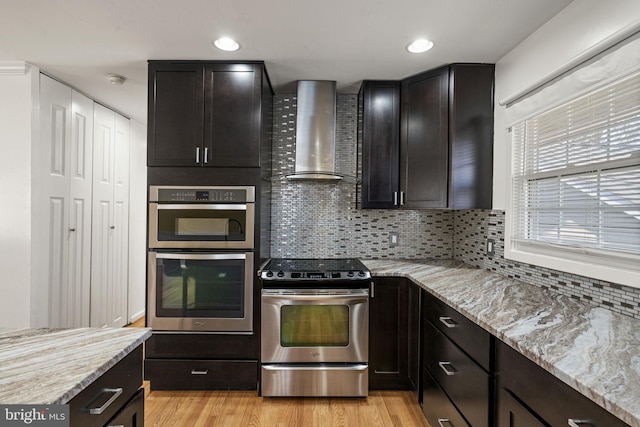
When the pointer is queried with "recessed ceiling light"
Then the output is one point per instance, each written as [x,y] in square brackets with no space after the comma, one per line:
[420,46]
[227,44]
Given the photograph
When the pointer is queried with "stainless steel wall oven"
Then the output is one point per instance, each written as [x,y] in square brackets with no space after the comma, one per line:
[201,259]
[315,328]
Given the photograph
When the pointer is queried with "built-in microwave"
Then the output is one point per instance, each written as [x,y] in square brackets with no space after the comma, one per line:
[214,217]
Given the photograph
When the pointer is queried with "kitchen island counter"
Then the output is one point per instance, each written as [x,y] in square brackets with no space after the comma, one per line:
[51,366]
[593,350]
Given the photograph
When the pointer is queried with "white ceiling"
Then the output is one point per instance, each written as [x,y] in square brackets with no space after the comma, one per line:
[81,41]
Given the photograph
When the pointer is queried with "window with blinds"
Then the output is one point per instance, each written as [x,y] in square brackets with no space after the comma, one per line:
[576,173]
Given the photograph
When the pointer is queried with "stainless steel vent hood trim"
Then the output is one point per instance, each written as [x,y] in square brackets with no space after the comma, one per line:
[315,131]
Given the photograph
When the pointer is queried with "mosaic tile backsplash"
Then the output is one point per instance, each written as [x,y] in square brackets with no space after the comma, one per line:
[321,219]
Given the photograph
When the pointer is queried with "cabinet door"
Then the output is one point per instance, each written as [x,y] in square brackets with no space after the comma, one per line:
[413,345]
[512,414]
[379,103]
[424,140]
[232,120]
[175,116]
[388,334]
[132,415]
[471,136]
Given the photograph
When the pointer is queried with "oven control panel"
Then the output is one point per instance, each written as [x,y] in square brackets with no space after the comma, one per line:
[222,194]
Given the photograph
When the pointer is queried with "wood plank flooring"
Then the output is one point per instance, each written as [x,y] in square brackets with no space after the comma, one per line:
[246,408]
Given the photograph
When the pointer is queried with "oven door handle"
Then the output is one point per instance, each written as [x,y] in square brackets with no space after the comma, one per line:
[199,256]
[203,206]
[353,297]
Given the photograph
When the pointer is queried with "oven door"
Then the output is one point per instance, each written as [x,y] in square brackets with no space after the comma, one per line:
[201,292]
[201,226]
[315,326]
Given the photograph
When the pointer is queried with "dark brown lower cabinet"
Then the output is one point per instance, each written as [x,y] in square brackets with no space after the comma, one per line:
[388,335]
[179,361]
[115,393]
[437,407]
[543,396]
[132,415]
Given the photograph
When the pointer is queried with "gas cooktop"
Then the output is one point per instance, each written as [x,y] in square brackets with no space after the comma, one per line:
[314,269]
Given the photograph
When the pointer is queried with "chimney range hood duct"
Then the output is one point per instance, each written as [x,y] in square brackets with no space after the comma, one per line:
[315,131]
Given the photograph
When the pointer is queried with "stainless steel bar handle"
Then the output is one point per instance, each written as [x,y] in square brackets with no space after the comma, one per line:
[199,372]
[402,198]
[448,368]
[573,422]
[206,155]
[448,321]
[395,198]
[116,393]
[373,289]
[198,155]
[113,425]
[443,421]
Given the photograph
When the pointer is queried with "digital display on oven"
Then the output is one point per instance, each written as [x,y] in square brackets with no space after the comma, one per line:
[202,195]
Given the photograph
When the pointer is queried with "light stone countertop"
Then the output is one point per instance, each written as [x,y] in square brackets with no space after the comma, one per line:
[593,350]
[51,366]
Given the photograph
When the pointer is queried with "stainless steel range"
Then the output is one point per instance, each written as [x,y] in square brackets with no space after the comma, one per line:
[315,327]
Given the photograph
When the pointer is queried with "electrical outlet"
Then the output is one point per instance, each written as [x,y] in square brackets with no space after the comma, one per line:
[491,247]
[393,239]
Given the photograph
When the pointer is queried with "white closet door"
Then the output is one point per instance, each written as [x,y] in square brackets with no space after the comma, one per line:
[103,226]
[51,216]
[80,185]
[121,221]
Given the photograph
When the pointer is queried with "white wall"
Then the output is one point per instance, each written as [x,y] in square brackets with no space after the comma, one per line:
[580,26]
[15,197]
[137,220]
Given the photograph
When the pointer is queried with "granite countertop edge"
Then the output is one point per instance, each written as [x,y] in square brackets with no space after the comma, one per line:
[546,327]
[52,366]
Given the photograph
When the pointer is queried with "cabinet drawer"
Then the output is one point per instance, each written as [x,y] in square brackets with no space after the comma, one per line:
[202,374]
[470,337]
[109,393]
[464,381]
[132,415]
[551,399]
[437,407]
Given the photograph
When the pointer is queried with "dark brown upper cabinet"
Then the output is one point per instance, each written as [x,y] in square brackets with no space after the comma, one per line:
[379,122]
[205,113]
[442,122]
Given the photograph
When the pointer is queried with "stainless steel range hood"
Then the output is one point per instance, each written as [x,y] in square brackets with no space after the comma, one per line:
[315,131]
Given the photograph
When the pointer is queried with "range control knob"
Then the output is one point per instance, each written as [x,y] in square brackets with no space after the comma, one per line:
[350,274]
[280,273]
[361,273]
[269,273]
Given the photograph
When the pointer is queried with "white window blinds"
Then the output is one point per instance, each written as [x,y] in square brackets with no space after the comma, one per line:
[576,173]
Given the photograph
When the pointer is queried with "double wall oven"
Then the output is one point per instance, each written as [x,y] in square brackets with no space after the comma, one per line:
[315,327]
[201,259]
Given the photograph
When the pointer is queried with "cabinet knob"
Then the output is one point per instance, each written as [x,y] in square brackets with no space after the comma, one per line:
[113,227]
[72,230]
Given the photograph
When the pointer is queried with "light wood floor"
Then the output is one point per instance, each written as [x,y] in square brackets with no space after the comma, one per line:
[246,408]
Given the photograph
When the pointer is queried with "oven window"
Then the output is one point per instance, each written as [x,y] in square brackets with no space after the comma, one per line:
[202,224]
[200,288]
[314,325]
